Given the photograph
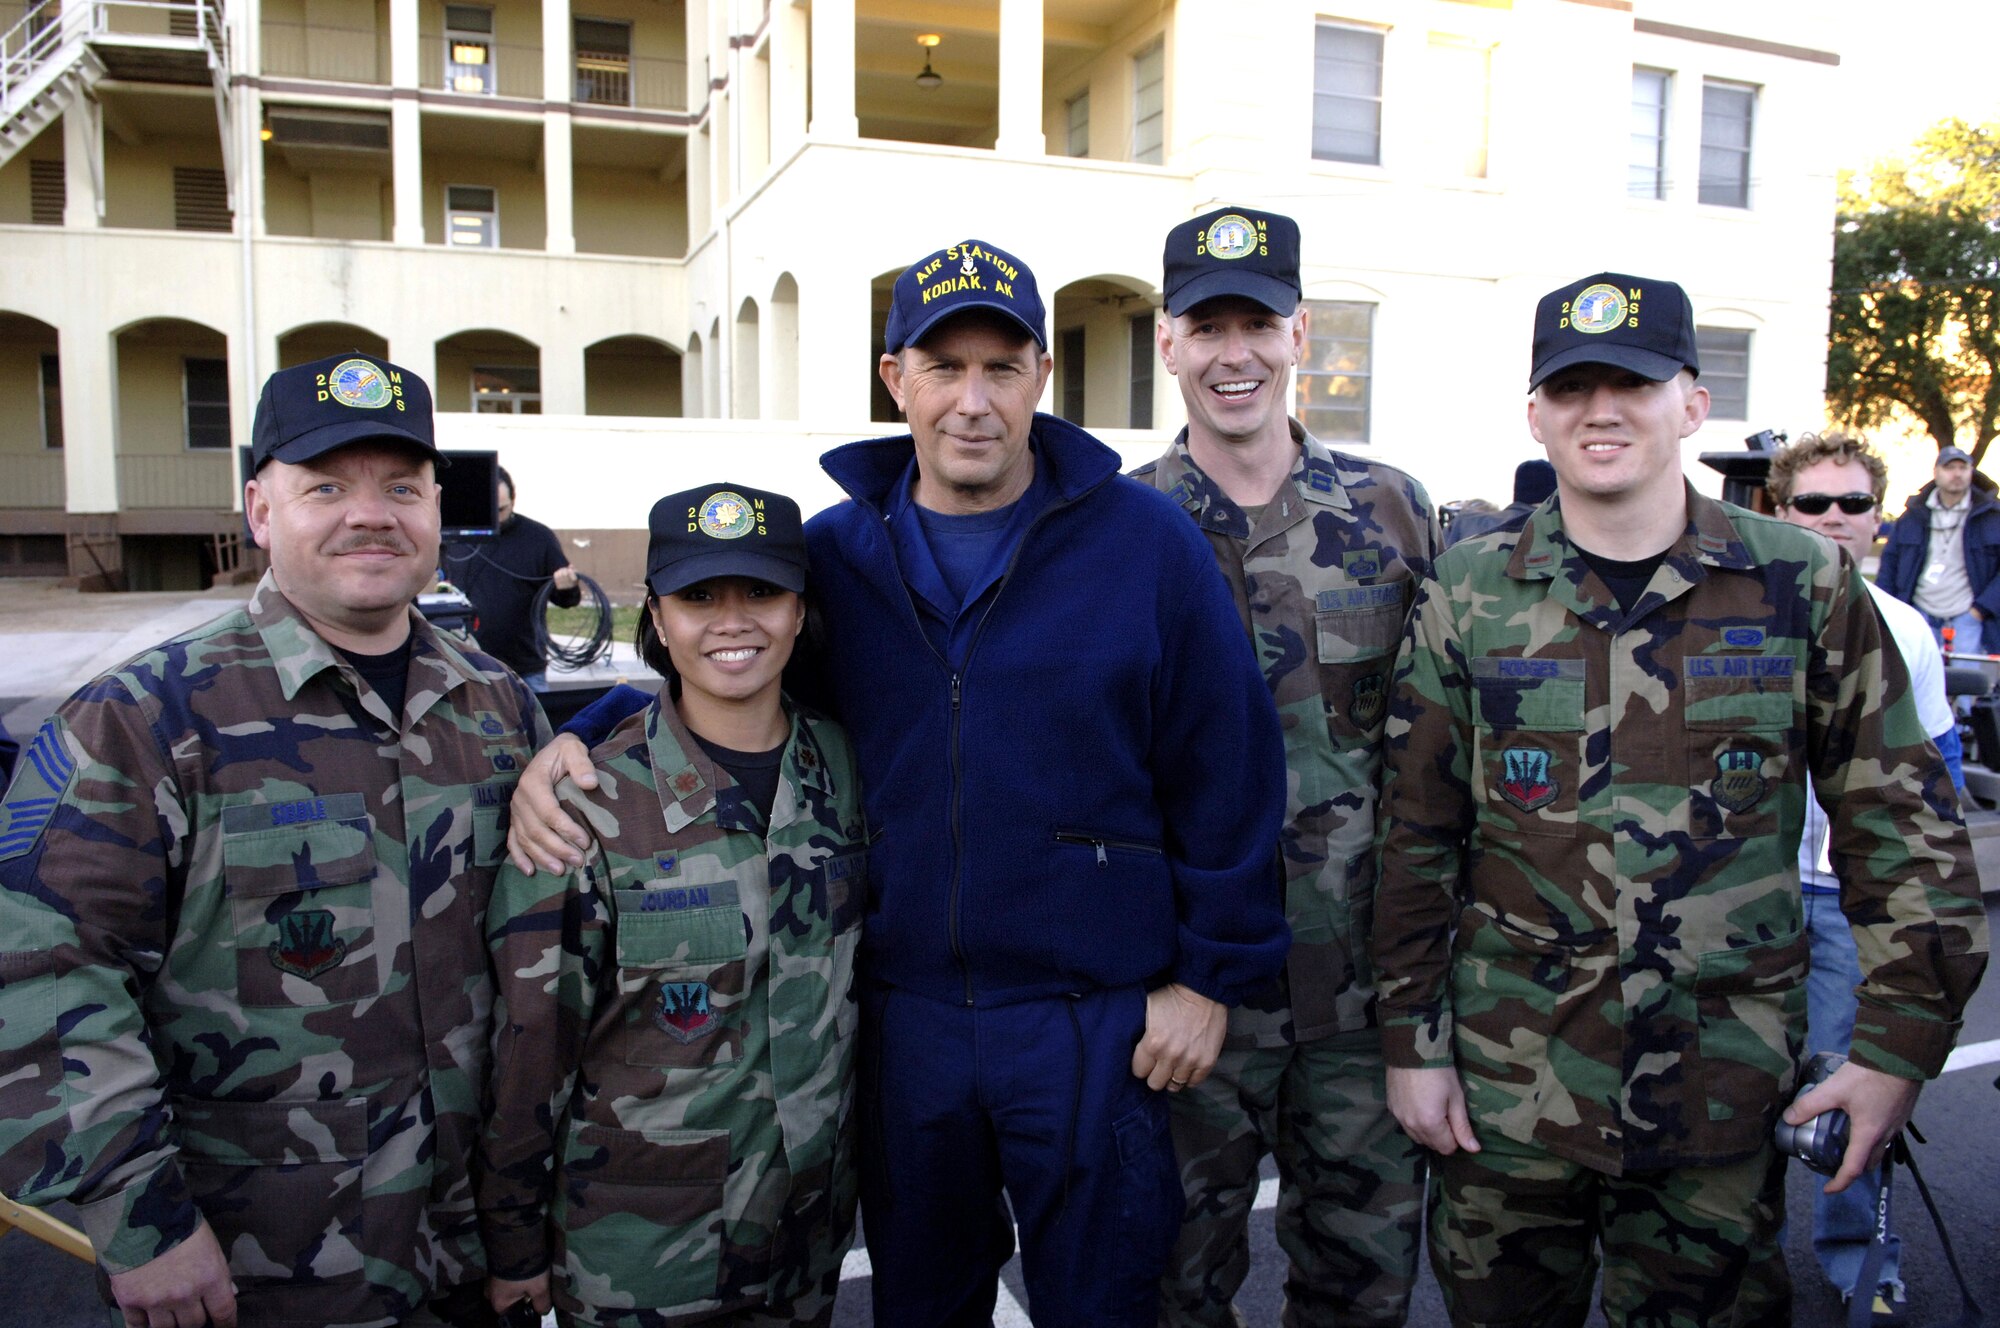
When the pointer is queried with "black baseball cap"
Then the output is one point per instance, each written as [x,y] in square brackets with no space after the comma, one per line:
[1598,320]
[725,530]
[1233,251]
[310,409]
[968,275]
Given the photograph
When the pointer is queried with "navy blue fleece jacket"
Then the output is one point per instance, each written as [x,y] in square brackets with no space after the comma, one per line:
[1093,800]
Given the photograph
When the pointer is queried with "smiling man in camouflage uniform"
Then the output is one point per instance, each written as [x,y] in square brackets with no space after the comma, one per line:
[1588,932]
[244,1012]
[1322,551]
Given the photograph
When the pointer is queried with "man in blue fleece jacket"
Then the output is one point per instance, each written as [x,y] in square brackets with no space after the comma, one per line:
[1074,780]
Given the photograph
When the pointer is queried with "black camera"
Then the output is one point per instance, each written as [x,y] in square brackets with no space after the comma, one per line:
[1821,1142]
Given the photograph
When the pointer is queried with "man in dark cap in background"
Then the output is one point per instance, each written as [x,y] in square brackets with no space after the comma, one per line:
[1534,480]
[1943,555]
[243,1012]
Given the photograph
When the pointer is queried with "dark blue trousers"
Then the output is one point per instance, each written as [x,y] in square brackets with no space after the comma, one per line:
[1036,1099]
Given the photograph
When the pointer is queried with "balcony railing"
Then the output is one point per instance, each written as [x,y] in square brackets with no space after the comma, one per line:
[481,68]
[31,479]
[613,78]
[189,479]
[314,50]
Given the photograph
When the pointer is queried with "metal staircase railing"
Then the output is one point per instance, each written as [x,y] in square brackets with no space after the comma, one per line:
[45,58]
[51,54]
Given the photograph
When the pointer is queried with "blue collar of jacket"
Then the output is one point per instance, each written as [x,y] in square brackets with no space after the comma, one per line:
[879,474]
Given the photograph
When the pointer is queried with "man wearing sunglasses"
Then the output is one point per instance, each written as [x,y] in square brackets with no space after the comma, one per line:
[1833,484]
[1943,555]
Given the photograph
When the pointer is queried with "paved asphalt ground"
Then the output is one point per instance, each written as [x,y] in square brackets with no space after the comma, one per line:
[51,640]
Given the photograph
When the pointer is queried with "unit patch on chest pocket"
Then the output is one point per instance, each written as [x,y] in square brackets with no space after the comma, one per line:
[306,946]
[1739,784]
[684,1011]
[1366,700]
[1526,781]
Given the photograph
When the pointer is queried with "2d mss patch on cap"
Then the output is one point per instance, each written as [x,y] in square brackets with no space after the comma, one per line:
[1232,236]
[1600,308]
[362,385]
[726,516]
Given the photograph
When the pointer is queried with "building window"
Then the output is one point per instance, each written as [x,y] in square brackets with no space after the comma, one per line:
[505,389]
[1461,78]
[1347,94]
[603,62]
[52,401]
[472,217]
[468,48]
[48,192]
[1725,370]
[1079,125]
[1140,412]
[1725,143]
[1149,104]
[1334,375]
[1646,171]
[205,402]
[1069,363]
[201,199]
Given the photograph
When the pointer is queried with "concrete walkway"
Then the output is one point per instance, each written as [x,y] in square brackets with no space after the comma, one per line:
[54,640]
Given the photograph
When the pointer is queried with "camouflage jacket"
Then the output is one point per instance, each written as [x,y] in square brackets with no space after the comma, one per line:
[244,978]
[672,1076]
[1323,585]
[1613,803]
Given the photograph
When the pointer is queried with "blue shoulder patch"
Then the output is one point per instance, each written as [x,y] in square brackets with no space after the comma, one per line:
[40,780]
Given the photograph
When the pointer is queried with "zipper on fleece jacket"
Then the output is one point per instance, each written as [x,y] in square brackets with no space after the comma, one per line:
[957,841]
[957,731]
[1102,842]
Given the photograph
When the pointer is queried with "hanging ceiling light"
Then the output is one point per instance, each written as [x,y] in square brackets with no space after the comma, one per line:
[930,78]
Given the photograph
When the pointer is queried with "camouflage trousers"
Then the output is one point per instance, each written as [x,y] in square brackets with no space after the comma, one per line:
[1350,1185]
[1515,1234]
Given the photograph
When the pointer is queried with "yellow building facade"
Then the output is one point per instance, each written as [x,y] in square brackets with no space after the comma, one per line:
[635,244]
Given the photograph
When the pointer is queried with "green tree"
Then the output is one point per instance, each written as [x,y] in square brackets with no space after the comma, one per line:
[1916,289]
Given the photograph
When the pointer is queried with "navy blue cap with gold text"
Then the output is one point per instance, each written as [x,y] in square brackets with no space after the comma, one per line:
[310,409]
[968,275]
[1600,320]
[1233,251]
[725,530]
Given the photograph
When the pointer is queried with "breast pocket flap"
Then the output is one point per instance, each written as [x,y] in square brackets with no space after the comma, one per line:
[276,848]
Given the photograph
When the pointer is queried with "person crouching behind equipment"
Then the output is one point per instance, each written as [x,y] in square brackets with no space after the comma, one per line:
[673,1071]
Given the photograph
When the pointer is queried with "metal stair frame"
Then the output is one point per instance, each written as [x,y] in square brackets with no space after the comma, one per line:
[48,64]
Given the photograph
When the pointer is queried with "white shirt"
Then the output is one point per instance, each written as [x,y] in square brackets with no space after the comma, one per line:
[1921,657]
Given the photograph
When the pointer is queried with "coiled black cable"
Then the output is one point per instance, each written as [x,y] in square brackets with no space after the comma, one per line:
[593,647]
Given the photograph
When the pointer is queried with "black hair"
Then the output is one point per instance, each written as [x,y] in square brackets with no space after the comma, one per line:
[805,649]
[508,480]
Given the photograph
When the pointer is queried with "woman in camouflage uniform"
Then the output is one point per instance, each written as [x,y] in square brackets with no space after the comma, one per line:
[672,1077]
